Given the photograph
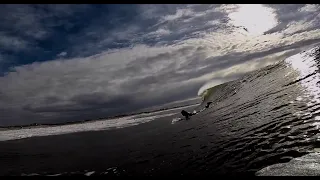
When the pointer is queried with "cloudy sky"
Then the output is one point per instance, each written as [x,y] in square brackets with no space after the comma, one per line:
[72,62]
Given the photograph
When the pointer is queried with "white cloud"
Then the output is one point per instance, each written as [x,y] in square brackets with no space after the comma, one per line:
[62,54]
[179,14]
[160,32]
[147,73]
[122,71]
[213,22]
[298,26]
[228,8]
[310,8]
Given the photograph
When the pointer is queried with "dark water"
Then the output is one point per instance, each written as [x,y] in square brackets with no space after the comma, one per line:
[267,117]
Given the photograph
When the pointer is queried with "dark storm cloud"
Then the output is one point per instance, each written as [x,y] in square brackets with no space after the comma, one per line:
[76,62]
[84,102]
[35,21]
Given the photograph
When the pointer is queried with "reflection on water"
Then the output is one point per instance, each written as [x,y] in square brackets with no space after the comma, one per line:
[307,65]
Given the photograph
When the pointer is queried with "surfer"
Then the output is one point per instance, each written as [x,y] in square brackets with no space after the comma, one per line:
[186,114]
[208,104]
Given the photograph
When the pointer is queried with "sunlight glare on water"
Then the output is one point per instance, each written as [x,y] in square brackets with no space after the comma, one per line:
[306,65]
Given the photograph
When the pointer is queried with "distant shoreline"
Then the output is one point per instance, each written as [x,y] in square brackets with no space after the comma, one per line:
[91,120]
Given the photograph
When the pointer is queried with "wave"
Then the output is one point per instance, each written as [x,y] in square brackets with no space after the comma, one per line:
[307,165]
[269,116]
[81,127]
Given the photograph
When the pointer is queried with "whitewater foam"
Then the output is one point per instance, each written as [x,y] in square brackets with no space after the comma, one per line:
[175,120]
[307,165]
[81,127]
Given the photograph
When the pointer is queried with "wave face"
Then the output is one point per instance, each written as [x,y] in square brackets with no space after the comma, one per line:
[268,116]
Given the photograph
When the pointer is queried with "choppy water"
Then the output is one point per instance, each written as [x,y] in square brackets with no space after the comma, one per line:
[267,117]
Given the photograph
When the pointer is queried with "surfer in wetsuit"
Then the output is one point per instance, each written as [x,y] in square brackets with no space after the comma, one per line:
[186,114]
[208,104]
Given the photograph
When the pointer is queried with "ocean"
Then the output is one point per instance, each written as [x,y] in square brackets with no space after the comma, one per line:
[260,124]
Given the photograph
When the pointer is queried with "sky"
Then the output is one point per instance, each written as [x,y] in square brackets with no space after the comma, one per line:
[61,63]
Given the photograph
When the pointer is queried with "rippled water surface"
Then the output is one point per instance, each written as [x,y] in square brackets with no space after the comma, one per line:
[267,117]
